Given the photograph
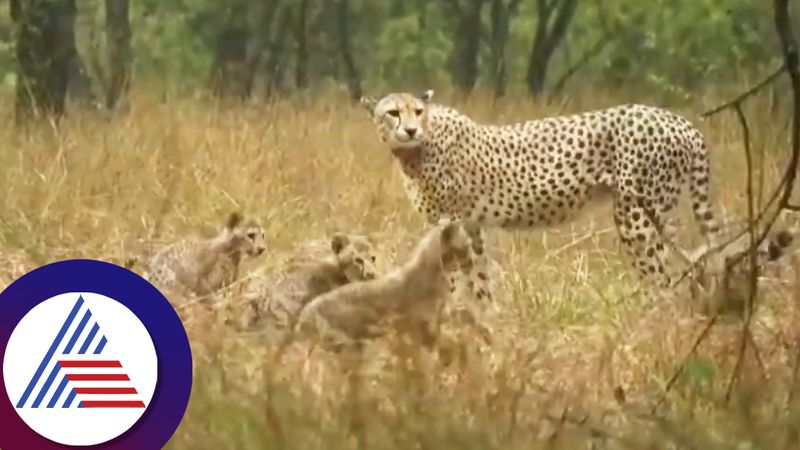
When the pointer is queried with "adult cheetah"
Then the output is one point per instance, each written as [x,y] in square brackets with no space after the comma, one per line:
[543,172]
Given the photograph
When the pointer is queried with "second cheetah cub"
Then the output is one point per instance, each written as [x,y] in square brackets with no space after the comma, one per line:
[204,267]
[407,299]
[278,299]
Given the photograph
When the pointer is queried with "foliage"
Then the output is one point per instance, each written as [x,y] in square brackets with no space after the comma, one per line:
[676,47]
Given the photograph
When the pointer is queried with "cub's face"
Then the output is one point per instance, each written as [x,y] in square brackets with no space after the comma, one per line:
[400,118]
[252,238]
[356,256]
[247,237]
[457,253]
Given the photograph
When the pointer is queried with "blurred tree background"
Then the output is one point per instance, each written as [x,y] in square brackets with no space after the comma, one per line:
[258,49]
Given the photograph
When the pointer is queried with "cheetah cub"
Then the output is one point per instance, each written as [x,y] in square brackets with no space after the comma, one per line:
[277,300]
[204,267]
[407,300]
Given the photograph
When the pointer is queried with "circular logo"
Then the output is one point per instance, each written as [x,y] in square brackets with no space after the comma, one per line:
[92,356]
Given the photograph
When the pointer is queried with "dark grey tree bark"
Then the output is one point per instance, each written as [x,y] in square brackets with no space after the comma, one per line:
[464,59]
[554,19]
[263,40]
[45,42]
[275,65]
[346,48]
[301,20]
[229,68]
[120,57]
[501,13]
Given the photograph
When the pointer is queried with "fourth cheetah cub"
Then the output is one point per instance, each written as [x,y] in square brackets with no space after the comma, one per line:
[202,268]
[407,299]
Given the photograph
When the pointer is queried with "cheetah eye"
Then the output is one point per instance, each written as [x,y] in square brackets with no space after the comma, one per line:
[393,112]
[372,258]
[418,111]
[359,261]
[251,235]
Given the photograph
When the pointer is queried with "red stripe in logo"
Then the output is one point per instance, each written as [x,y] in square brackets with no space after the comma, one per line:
[112,404]
[70,364]
[97,377]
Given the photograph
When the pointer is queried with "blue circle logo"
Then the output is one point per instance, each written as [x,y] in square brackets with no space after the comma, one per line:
[93,356]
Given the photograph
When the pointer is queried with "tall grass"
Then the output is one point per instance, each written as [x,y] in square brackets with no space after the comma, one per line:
[576,358]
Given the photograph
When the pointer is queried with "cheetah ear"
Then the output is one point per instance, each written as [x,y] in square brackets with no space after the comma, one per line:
[427,96]
[234,220]
[338,242]
[369,103]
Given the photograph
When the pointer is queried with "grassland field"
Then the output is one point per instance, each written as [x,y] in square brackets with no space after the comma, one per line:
[578,359]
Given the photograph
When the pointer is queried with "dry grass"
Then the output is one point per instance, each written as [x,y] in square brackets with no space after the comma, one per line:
[575,359]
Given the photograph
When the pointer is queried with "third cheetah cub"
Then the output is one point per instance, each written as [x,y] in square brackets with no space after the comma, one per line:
[204,267]
[407,300]
[278,299]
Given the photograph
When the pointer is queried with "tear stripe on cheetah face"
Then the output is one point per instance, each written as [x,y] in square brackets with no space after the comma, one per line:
[406,299]
[402,121]
[541,173]
[206,266]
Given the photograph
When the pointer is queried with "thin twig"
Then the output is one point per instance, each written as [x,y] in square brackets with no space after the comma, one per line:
[749,305]
[679,370]
[744,95]
[783,193]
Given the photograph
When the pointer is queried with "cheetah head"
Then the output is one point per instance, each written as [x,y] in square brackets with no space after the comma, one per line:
[246,237]
[355,255]
[400,118]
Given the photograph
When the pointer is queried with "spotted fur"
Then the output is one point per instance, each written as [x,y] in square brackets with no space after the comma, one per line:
[276,300]
[407,299]
[543,172]
[203,267]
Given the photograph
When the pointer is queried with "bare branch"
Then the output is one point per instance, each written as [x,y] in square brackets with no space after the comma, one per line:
[682,365]
[789,46]
[782,193]
[587,56]
[729,270]
[744,95]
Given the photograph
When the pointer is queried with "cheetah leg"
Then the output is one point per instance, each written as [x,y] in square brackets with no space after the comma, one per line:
[478,277]
[641,239]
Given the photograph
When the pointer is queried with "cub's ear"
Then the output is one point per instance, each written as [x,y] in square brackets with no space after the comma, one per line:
[472,227]
[449,231]
[427,96]
[338,242]
[234,220]
[369,103]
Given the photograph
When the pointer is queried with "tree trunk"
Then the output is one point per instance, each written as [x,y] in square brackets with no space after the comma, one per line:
[301,40]
[553,21]
[263,41]
[45,38]
[229,69]
[80,85]
[501,14]
[274,66]
[464,61]
[118,32]
[345,47]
